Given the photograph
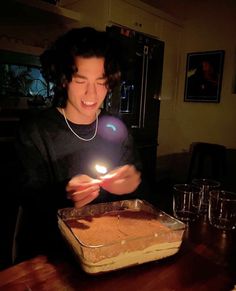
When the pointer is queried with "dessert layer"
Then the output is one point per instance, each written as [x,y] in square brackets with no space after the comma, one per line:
[120,234]
[115,226]
[98,260]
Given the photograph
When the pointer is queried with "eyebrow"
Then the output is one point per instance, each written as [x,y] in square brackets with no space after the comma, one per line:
[77,75]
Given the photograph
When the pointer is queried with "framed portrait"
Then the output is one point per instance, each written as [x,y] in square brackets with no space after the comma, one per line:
[203,76]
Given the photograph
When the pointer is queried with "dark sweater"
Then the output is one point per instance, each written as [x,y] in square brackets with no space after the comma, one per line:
[50,155]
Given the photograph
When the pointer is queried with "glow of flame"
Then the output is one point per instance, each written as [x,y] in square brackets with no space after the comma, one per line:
[101,169]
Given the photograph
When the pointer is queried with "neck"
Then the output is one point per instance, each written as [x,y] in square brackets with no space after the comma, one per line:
[80,137]
[76,117]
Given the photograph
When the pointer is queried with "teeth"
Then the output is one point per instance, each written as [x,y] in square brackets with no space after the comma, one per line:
[89,103]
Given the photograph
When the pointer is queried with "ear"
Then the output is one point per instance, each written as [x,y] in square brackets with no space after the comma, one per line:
[64,82]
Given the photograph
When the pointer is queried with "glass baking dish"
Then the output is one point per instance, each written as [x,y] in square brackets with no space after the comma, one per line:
[125,240]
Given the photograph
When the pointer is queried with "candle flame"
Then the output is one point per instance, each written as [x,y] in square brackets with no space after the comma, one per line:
[101,169]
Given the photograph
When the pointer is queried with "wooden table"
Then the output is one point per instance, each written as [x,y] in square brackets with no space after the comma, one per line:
[206,261]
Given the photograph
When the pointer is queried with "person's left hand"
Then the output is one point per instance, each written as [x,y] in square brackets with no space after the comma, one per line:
[82,189]
[122,180]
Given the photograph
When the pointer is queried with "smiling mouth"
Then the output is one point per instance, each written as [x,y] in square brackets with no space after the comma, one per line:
[88,103]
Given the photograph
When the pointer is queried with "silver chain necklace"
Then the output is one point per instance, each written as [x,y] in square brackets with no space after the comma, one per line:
[79,137]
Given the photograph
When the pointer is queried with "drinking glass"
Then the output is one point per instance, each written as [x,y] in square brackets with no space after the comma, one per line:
[222,209]
[186,202]
[206,186]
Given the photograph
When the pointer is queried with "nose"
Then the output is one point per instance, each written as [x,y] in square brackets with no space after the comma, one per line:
[91,91]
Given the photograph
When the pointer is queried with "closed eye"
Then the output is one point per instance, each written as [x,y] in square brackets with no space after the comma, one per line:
[80,81]
[101,83]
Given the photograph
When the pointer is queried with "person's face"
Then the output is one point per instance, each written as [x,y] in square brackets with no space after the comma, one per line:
[88,88]
[207,67]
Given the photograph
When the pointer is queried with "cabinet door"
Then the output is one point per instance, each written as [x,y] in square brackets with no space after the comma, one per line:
[172,36]
[132,17]
[169,94]
[121,13]
[145,21]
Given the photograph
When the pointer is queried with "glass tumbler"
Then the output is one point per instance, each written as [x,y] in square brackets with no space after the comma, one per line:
[186,202]
[206,186]
[222,209]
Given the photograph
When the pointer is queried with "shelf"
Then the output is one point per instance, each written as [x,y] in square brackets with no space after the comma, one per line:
[50,8]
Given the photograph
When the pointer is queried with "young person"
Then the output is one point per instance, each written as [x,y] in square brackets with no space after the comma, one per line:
[59,148]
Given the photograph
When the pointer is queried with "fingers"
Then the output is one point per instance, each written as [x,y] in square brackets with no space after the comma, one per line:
[80,195]
[82,189]
[81,182]
[81,198]
[123,180]
[86,200]
[120,173]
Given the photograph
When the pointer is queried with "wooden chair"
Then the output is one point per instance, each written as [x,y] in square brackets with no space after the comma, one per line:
[208,161]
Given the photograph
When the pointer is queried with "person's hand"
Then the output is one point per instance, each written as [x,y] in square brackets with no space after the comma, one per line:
[82,189]
[122,180]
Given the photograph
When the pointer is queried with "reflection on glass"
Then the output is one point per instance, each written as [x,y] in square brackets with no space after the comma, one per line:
[127,97]
[24,81]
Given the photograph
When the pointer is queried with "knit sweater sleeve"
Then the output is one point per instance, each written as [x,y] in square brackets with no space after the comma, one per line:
[130,155]
[36,178]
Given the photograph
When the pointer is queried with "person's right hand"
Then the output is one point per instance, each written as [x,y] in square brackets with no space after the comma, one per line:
[82,189]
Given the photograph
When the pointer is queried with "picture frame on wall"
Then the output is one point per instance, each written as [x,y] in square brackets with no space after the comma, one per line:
[203,77]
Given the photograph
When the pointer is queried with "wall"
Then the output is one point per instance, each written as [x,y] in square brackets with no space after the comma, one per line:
[209,25]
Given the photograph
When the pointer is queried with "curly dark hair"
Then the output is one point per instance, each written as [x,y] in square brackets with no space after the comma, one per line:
[58,61]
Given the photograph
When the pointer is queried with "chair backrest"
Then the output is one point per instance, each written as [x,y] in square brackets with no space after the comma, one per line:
[207,161]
